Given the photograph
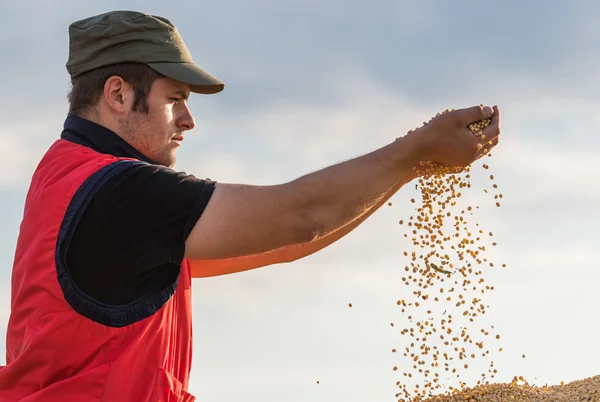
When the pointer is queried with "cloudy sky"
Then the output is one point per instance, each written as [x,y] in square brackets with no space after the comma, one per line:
[312,83]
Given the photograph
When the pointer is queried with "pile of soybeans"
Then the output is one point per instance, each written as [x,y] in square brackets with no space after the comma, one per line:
[576,391]
[442,323]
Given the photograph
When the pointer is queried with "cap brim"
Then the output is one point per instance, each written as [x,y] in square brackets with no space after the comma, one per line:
[199,80]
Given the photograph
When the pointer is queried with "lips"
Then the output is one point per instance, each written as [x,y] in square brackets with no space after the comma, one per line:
[178,138]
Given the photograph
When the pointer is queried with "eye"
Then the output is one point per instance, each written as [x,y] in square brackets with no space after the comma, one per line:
[175,100]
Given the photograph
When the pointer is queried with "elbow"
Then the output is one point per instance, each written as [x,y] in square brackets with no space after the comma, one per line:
[308,227]
[307,219]
[311,232]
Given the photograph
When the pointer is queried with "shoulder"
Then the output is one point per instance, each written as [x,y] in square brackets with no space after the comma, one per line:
[135,179]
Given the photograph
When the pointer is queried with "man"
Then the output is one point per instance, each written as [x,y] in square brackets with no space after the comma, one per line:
[112,235]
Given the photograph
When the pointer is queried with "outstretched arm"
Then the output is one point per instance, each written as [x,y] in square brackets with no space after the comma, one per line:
[245,227]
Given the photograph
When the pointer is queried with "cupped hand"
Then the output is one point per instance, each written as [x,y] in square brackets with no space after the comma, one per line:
[447,139]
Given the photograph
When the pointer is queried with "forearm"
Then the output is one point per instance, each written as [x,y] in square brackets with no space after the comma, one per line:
[290,253]
[338,195]
[295,252]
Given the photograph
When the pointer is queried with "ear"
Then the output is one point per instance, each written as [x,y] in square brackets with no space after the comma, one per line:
[118,95]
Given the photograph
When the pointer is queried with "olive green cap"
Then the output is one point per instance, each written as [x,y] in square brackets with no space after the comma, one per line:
[134,37]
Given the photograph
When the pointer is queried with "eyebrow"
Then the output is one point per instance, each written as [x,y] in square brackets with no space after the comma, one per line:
[182,93]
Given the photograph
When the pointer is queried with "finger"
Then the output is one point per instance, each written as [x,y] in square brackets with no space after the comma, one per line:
[493,129]
[473,114]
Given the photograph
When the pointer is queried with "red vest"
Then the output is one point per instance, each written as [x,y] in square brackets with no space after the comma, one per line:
[54,351]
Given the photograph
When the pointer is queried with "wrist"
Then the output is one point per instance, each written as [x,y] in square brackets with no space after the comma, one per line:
[410,152]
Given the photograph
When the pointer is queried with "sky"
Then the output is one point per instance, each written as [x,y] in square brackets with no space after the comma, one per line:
[310,84]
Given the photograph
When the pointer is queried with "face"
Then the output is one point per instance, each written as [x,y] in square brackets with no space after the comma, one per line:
[158,133]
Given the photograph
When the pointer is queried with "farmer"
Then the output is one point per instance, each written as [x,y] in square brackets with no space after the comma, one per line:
[112,235]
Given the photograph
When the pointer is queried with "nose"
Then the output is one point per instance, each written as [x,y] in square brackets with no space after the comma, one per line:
[186,120]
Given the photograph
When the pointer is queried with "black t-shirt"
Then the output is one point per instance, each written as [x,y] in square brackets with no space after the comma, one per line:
[130,240]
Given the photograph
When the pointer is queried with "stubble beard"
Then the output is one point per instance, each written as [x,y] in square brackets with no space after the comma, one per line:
[134,129]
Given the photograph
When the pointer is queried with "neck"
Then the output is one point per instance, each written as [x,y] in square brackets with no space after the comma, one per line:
[101,119]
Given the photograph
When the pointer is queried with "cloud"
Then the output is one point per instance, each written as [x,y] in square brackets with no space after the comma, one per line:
[23,144]
[540,172]
[423,50]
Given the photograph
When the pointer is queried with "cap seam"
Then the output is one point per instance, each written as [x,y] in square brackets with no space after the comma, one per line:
[118,18]
[148,63]
[129,35]
[81,68]
[172,62]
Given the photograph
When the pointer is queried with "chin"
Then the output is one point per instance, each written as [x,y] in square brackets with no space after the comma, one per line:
[166,159]
[170,163]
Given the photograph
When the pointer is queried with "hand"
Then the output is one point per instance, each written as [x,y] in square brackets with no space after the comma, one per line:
[446,139]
